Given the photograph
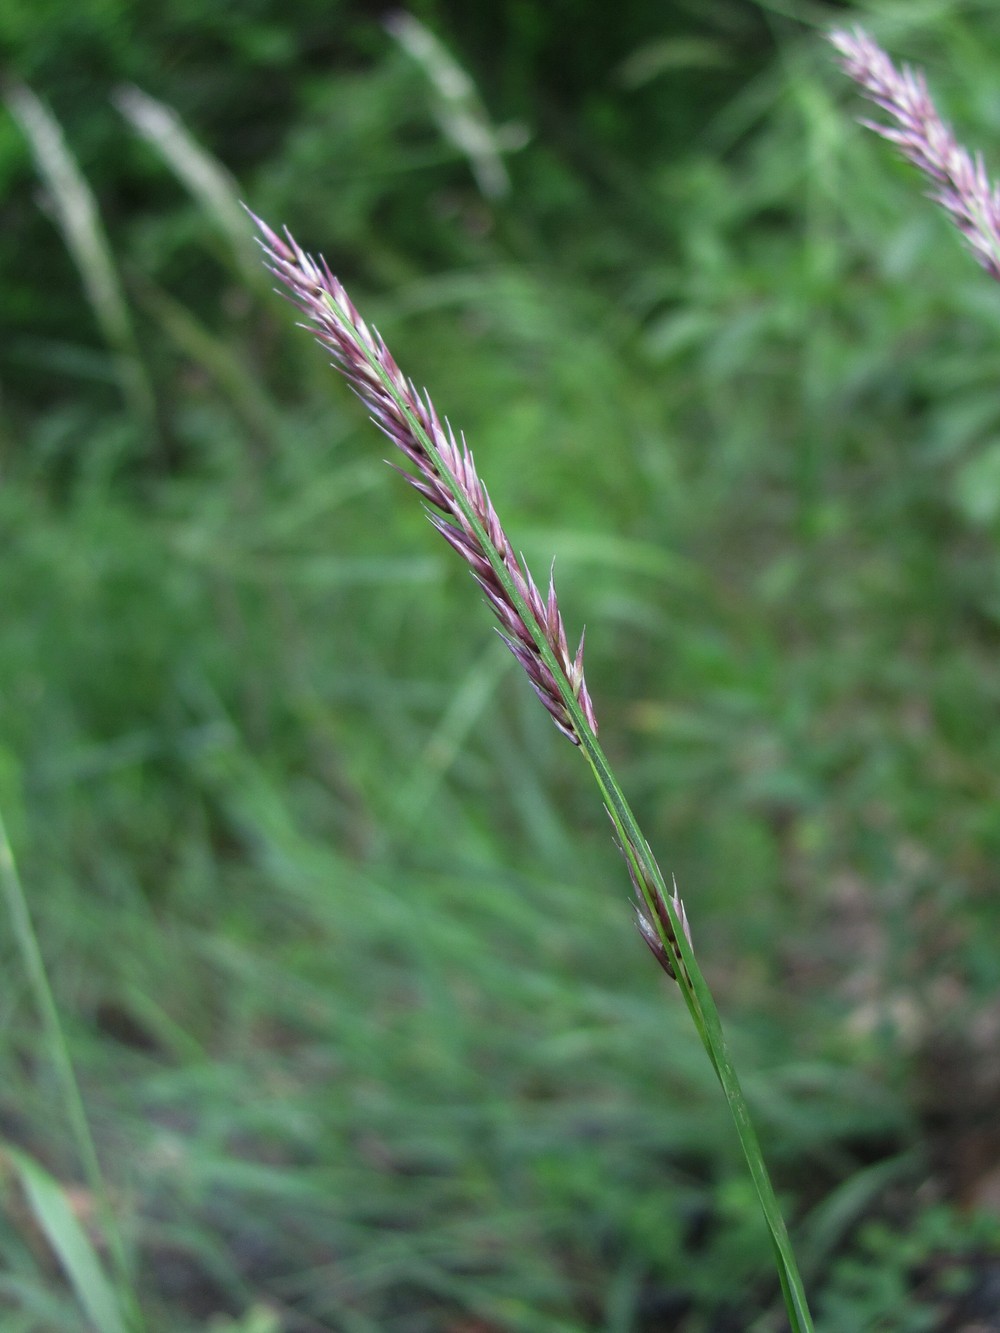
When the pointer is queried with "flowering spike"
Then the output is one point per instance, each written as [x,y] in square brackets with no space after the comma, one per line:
[960,184]
[649,899]
[409,419]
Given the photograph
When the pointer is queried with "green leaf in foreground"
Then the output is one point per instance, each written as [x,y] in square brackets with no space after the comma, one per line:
[79,1260]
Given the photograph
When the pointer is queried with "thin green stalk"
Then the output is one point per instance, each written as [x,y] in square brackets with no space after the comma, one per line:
[34,966]
[690,979]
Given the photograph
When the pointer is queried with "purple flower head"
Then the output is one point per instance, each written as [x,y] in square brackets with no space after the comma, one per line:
[442,464]
[959,181]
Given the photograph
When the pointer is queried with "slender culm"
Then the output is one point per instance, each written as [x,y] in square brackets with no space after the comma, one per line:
[959,181]
[442,462]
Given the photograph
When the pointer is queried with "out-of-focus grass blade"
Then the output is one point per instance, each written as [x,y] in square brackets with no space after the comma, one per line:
[205,178]
[51,1211]
[258,1319]
[75,212]
[459,112]
[470,700]
[34,965]
[28,1306]
[653,59]
[214,356]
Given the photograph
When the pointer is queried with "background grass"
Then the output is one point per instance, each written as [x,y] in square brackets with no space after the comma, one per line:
[334,921]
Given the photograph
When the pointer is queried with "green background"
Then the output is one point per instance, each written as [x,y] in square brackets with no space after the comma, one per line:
[334,919]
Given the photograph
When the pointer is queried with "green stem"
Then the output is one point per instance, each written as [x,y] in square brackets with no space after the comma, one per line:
[701,1005]
[692,983]
[34,965]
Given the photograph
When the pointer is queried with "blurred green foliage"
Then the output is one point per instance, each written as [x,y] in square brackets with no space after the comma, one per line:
[337,929]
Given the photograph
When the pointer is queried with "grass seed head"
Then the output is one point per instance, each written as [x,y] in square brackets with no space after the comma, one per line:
[958,180]
[442,463]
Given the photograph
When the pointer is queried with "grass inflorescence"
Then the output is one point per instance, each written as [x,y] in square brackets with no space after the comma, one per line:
[336,936]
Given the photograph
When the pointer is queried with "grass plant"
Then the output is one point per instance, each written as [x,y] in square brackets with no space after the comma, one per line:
[959,180]
[330,923]
[198,171]
[75,212]
[112,1308]
[532,627]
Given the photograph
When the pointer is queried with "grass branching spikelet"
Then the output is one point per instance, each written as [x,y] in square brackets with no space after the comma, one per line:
[443,465]
[959,180]
[648,930]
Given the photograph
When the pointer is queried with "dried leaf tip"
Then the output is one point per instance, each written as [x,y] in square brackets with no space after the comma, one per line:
[444,474]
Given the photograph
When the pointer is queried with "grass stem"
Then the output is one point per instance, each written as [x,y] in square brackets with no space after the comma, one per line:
[34,965]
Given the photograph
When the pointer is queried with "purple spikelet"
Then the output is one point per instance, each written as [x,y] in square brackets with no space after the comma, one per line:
[959,181]
[650,903]
[402,415]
